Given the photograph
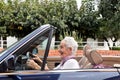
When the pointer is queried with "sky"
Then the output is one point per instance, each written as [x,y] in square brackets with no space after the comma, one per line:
[78,4]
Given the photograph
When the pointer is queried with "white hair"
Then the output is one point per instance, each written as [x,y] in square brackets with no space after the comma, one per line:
[70,42]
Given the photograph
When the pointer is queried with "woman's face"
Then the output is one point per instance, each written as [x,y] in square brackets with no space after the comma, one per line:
[63,50]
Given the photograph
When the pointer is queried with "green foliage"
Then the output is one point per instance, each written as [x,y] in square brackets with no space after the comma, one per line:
[110,20]
[21,17]
[2,30]
[115,48]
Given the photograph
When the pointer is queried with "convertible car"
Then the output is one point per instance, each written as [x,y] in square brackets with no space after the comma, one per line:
[13,61]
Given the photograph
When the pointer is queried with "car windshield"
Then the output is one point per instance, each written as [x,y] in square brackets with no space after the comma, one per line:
[38,48]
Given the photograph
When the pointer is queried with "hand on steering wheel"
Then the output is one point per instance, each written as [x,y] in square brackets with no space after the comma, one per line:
[34,57]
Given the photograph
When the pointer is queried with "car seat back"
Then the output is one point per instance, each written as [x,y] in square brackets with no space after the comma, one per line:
[84,61]
[94,58]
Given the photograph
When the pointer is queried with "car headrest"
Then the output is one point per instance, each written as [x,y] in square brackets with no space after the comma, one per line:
[94,57]
[85,48]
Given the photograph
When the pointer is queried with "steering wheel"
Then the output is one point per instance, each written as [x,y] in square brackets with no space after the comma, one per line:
[20,61]
[29,55]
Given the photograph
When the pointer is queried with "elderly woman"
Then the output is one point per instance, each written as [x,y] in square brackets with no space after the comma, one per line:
[67,50]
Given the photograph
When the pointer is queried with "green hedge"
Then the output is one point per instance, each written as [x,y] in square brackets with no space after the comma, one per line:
[115,48]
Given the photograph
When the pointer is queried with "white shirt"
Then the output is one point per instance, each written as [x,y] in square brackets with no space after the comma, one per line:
[69,64]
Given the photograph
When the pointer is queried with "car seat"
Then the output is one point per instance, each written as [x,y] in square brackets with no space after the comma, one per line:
[94,58]
[84,61]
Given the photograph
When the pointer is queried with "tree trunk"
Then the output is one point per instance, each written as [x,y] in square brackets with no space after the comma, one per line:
[57,38]
[107,43]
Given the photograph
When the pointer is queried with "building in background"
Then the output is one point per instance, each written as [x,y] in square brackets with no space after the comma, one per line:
[7,41]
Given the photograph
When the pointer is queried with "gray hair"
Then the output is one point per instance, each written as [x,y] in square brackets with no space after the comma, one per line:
[70,42]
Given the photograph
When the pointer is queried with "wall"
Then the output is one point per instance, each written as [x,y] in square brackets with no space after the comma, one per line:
[79,52]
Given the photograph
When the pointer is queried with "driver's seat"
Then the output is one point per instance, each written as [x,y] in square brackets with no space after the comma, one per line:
[84,61]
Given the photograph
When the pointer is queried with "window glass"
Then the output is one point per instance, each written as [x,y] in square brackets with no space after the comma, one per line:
[37,47]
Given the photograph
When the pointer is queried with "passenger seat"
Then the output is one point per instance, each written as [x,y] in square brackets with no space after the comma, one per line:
[94,58]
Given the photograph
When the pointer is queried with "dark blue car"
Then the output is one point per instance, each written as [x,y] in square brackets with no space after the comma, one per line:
[13,61]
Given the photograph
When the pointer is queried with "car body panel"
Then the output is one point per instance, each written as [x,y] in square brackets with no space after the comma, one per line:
[87,74]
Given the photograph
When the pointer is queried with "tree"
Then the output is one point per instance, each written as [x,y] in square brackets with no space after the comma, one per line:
[62,14]
[89,23]
[110,20]
[20,18]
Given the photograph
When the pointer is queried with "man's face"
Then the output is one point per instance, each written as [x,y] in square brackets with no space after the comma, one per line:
[63,50]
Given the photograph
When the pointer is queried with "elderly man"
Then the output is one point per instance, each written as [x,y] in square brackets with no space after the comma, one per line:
[67,49]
